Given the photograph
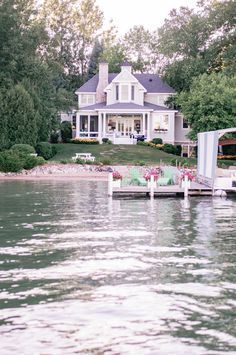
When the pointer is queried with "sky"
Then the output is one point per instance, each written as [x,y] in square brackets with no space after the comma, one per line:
[149,13]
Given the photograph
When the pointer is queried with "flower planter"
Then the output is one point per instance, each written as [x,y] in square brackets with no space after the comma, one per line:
[116,183]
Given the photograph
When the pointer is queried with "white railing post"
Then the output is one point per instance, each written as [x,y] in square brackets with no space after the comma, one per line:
[185,186]
[151,186]
[110,185]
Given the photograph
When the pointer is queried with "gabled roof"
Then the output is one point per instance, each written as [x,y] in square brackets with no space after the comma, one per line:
[151,82]
[125,106]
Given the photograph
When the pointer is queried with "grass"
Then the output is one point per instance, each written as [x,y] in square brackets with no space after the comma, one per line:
[117,154]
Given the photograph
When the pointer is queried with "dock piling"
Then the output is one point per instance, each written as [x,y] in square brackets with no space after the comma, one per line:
[110,185]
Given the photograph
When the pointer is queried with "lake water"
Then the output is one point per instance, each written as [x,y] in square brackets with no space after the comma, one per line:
[81,273]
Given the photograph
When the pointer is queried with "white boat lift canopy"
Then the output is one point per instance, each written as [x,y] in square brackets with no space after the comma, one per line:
[207,156]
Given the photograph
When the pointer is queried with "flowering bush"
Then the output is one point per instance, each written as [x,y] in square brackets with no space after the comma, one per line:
[225,157]
[85,141]
[148,175]
[116,175]
[189,175]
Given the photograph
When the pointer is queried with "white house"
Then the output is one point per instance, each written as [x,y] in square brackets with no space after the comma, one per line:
[116,106]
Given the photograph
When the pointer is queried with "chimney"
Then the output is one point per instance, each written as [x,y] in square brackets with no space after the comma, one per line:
[102,82]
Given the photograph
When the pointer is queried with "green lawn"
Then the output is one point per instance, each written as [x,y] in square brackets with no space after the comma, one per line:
[116,154]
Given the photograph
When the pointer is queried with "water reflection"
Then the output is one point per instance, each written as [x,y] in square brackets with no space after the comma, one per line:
[80,272]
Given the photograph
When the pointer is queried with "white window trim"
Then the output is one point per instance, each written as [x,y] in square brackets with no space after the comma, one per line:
[129,99]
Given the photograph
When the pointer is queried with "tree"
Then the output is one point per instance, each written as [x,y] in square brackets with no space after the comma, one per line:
[20,115]
[137,44]
[72,27]
[114,55]
[210,103]
[198,41]
[94,59]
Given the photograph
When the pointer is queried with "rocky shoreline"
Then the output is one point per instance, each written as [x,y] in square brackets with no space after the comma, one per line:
[58,170]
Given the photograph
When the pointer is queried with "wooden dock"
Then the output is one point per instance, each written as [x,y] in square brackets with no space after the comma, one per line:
[195,189]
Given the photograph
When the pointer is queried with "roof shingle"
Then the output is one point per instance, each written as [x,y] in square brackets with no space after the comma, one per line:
[151,82]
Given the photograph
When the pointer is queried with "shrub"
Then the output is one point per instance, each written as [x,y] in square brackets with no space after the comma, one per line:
[30,162]
[54,137]
[106,141]
[40,161]
[142,143]
[45,150]
[64,162]
[157,141]
[23,148]
[66,131]
[140,163]
[80,161]
[179,149]
[170,149]
[105,161]
[85,141]
[10,161]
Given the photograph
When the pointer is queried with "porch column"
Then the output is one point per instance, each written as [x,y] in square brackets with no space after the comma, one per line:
[148,126]
[104,125]
[77,134]
[89,125]
[144,126]
[100,127]
[188,150]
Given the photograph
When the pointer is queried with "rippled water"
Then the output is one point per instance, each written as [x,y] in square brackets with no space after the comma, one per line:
[81,273]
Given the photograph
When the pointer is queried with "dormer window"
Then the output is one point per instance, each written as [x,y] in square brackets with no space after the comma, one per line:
[124,92]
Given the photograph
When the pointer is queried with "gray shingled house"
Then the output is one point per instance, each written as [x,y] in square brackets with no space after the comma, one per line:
[120,106]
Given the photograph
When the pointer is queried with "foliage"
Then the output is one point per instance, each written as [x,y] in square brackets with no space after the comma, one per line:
[23,148]
[210,103]
[94,59]
[40,161]
[106,141]
[84,141]
[105,161]
[45,150]
[170,149]
[10,161]
[116,175]
[20,116]
[66,131]
[157,141]
[30,162]
[54,137]
[194,42]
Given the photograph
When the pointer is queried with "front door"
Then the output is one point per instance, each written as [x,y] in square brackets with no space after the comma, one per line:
[125,126]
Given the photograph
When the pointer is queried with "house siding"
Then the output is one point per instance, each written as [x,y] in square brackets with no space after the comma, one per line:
[156,99]
[180,132]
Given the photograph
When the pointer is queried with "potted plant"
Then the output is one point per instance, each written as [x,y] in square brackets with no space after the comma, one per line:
[148,175]
[186,174]
[117,177]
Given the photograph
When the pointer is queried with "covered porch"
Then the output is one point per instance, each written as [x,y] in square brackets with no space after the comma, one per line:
[119,127]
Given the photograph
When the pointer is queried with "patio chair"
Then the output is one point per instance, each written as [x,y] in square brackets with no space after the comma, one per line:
[166,179]
[136,178]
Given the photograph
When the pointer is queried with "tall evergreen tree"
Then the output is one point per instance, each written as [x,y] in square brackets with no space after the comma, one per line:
[20,115]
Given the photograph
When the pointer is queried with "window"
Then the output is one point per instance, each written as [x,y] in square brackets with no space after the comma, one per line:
[117,92]
[185,123]
[84,123]
[132,93]
[87,99]
[94,124]
[161,123]
[124,92]
[165,122]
